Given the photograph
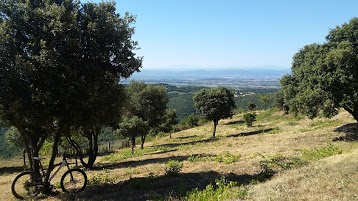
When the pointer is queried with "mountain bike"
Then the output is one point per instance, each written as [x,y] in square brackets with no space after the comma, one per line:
[26,186]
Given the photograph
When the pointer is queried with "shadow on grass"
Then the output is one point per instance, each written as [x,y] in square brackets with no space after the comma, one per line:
[234,122]
[251,133]
[135,163]
[186,137]
[158,187]
[10,170]
[350,130]
[173,145]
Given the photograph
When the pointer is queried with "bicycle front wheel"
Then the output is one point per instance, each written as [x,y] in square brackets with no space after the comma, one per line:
[23,186]
[74,181]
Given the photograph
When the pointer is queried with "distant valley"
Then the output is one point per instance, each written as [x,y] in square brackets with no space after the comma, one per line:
[244,77]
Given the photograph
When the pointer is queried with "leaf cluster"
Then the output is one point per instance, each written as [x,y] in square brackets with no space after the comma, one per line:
[324,76]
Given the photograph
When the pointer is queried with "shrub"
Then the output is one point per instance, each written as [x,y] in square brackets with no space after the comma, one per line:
[173,167]
[221,190]
[249,119]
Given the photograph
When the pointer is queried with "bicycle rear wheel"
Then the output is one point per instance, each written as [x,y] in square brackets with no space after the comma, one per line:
[74,181]
[23,186]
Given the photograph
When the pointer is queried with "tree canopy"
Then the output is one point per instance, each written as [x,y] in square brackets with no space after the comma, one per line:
[325,76]
[149,103]
[60,65]
[215,104]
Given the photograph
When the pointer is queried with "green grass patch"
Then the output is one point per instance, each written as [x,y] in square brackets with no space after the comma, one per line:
[273,115]
[322,152]
[292,123]
[101,178]
[221,190]
[173,167]
[274,131]
[224,157]
[279,163]
[326,123]
[126,153]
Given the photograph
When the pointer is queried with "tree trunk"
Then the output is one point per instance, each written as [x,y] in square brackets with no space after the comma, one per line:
[94,149]
[54,154]
[47,188]
[353,112]
[92,152]
[215,124]
[142,137]
[35,163]
[133,144]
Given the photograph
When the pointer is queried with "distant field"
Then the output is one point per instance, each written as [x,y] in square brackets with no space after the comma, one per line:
[280,158]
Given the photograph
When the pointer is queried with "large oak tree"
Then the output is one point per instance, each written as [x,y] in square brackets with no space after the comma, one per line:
[60,66]
[325,76]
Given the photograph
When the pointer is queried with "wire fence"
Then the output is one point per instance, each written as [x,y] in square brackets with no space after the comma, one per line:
[103,147]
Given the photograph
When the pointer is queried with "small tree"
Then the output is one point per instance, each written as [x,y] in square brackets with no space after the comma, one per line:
[249,119]
[132,127]
[251,106]
[215,104]
[168,121]
[149,102]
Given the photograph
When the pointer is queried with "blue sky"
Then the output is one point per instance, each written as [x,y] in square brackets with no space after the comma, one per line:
[231,33]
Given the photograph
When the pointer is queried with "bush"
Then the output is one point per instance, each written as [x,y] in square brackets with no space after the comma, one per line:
[221,190]
[173,167]
[249,119]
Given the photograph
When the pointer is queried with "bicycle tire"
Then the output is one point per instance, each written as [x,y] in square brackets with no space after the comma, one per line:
[73,181]
[22,187]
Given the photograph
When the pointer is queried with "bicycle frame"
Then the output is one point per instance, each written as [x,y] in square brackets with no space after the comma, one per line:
[62,164]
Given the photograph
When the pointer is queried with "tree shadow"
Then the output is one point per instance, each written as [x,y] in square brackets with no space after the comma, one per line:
[350,130]
[234,122]
[10,170]
[186,137]
[159,187]
[173,145]
[135,163]
[251,132]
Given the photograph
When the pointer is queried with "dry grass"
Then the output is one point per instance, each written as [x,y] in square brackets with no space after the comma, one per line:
[142,177]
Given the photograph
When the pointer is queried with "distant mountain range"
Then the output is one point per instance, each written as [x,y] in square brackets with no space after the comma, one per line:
[191,73]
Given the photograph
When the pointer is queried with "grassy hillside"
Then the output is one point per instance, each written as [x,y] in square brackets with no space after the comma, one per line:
[280,158]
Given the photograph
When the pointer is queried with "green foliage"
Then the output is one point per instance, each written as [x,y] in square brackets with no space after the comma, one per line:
[7,149]
[249,119]
[279,163]
[60,66]
[168,121]
[263,99]
[131,127]
[189,122]
[215,104]
[251,106]
[101,178]
[324,76]
[173,167]
[225,157]
[149,103]
[13,136]
[322,152]
[222,190]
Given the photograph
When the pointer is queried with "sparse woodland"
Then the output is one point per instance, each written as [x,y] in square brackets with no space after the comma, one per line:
[61,63]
